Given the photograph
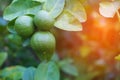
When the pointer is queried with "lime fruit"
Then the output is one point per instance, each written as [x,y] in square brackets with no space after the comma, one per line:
[43,42]
[24,26]
[43,20]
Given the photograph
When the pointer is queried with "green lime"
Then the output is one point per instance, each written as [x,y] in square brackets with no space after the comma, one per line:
[43,20]
[24,26]
[43,42]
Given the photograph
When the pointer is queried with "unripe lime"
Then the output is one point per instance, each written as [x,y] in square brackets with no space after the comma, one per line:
[43,20]
[24,26]
[43,42]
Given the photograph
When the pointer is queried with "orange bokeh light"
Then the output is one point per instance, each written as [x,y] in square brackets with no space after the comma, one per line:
[102,29]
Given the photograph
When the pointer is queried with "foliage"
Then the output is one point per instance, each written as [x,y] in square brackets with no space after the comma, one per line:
[29,74]
[54,11]
[108,9]
[3,57]
[19,62]
[15,9]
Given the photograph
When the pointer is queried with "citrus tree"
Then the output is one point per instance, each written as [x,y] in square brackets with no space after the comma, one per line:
[31,24]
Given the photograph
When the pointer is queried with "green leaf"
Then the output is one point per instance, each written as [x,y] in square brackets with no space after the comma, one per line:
[40,1]
[26,42]
[54,7]
[14,1]
[68,22]
[11,27]
[47,71]
[21,7]
[3,57]
[67,67]
[73,14]
[55,57]
[12,73]
[29,74]
[76,9]
[108,9]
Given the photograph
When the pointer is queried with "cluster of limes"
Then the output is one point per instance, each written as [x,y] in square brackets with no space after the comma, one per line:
[42,41]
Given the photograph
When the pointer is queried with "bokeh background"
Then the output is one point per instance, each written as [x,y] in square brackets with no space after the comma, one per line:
[92,50]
